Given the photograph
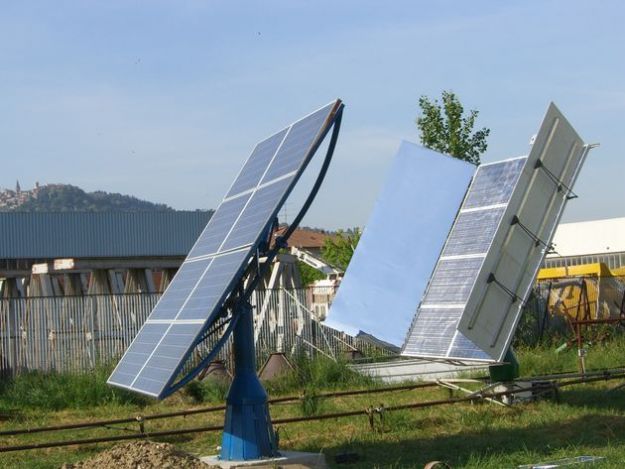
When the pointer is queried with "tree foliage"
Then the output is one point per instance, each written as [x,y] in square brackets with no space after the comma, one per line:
[446,129]
[309,274]
[338,249]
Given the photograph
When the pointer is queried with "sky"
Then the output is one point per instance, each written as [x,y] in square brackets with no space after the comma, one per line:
[165,100]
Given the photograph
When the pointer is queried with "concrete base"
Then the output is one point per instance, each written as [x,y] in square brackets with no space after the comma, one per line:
[403,369]
[288,459]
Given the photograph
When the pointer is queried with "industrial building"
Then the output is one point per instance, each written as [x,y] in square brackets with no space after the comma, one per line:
[589,242]
[78,253]
[75,253]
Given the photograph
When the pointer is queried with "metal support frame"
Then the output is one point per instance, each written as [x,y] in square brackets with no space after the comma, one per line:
[248,431]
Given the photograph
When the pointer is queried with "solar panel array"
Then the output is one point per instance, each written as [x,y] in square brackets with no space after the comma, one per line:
[500,236]
[433,332]
[193,300]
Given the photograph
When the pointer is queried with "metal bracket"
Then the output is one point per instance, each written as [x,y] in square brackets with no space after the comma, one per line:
[510,293]
[570,194]
[530,233]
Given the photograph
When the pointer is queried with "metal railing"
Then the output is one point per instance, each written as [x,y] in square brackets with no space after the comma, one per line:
[78,333]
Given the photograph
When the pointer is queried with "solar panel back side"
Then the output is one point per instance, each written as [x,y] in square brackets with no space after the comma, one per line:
[519,247]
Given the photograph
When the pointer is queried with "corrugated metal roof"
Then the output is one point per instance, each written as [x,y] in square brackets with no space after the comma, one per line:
[44,235]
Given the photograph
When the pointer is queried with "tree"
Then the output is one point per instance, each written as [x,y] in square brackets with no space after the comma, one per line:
[446,129]
[309,274]
[338,249]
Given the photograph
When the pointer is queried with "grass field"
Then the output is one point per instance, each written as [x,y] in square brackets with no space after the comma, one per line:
[587,420]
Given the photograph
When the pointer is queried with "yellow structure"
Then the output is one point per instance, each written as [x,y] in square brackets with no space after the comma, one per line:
[587,291]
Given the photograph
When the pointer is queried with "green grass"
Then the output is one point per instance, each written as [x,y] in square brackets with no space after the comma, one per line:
[587,420]
[58,391]
[545,359]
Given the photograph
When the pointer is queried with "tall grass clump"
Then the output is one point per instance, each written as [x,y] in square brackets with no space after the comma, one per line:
[307,377]
[208,390]
[316,373]
[56,391]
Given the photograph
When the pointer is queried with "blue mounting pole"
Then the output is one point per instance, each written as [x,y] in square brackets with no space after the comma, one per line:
[248,433]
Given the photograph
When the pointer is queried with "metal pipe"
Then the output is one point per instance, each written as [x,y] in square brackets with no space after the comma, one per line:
[415,405]
[611,373]
[184,413]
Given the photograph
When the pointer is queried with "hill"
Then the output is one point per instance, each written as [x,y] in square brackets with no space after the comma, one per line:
[65,197]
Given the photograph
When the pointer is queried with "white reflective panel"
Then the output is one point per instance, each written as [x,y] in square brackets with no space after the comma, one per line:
[510,265]
[400,244]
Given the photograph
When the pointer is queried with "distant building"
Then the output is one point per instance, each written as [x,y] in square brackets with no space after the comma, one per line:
[589,242]
[306,239]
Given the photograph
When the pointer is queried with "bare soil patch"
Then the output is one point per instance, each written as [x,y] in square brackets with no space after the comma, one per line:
[141,455]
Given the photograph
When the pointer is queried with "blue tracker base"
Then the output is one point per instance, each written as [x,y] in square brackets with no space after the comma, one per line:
[248,433]
[208,299]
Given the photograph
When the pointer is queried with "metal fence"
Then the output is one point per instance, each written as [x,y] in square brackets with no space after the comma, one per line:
[583,297]
[556,303]
[76,334]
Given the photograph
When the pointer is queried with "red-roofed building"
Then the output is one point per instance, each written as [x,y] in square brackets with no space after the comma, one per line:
[302,238]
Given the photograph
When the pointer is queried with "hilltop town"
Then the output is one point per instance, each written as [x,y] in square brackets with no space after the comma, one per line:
[12,199]
[66,197]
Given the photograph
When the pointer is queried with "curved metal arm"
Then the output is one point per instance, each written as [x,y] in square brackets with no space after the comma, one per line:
[206,360]
[281,241]
[244,294]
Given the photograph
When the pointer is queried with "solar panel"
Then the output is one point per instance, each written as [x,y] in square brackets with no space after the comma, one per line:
[524,237]
[433,332]
[493,252]
[400,244]
[193,302]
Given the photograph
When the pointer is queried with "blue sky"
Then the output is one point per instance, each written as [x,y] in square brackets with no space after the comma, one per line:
[165,100]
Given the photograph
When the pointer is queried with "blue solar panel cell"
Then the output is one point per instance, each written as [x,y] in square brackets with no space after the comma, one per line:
[179,289]
[209,292]
[166,357]
[436,327]
[452,280]
[473,232]
[493,183]
[137,354]
[218,227]
[257,215]
[297,144]
[256,164]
